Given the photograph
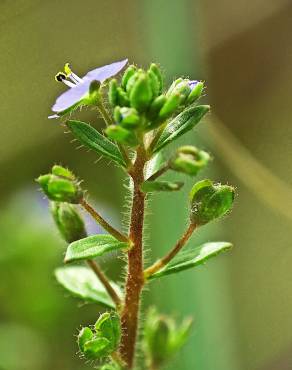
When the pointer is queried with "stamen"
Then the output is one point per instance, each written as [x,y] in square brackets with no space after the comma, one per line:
[69,74]
[69,83]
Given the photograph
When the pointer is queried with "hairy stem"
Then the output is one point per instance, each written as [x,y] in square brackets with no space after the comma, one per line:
[135,278]
[167,258]
[105,282]
[103,222]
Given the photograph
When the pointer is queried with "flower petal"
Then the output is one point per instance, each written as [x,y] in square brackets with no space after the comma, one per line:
[71,97]
[76,93]
[105,72]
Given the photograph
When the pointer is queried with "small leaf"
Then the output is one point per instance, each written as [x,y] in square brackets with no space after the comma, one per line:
[81,282]
[152,186]
[191,257]
[93,246]
[181,124]
[92,139]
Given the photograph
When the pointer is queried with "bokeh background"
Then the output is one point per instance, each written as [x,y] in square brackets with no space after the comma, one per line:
[242,301]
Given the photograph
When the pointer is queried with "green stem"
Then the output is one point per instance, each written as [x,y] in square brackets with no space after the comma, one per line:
[103,222]
[158,265]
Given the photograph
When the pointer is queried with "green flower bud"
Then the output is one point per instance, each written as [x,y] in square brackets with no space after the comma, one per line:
[123,99]
[196,92]
[62,172]
[113,96]
[62,187]
[117,114]
[121,135]
[68,221]
[170,106]
[156,70]
[108,326]
[173,85]
[129,72]
[141,93]
[162,338]
[131,82]
[189,160]
[129,117]
[210,201]
[154,83]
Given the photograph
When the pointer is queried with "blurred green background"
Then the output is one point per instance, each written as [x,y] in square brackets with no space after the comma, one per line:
[242,301]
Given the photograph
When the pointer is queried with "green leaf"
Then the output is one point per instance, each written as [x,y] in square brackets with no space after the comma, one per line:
[82,282]
[92,139]
[153,186]
[181,124]
[93,246]
[191,257]
[154,164]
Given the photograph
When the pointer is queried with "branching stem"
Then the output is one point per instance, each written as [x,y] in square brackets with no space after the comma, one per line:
[169,256]
[103,222]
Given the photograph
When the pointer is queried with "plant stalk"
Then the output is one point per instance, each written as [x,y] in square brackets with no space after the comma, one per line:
[105,282]
[135,278]
[169,256]
[98,218]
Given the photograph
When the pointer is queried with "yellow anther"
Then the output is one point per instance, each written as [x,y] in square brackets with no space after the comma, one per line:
[67,69]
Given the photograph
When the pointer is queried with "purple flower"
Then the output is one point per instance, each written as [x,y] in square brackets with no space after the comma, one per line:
[193,84]
[79,87]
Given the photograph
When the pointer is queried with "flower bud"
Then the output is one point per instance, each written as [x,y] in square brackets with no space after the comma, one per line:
[122,98]
[113,92]
[210,201]
[121,135]
[162,338]
[170,106]
[63,172]
[141,93]
[189,160]
[68,221]
[129,117]
[62,187]
[155,106]
[197,88]
[154,83]
[129,72]
[156,70]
